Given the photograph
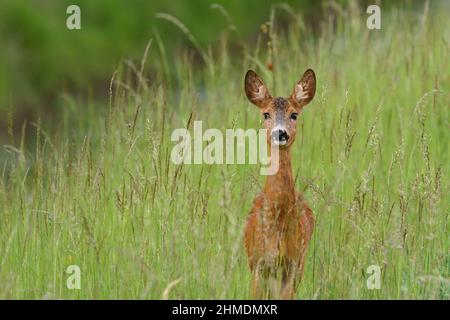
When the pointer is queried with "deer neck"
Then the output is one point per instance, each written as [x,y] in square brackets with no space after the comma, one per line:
[279,188]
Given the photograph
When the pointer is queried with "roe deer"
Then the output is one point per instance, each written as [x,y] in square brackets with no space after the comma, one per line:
[280,223]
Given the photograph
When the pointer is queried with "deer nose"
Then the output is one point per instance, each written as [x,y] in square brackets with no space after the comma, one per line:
[280,135]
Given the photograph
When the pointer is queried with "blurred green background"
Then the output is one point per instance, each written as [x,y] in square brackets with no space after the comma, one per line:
[40,59]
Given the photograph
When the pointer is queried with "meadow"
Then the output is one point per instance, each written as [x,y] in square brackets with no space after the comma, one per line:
[97,188]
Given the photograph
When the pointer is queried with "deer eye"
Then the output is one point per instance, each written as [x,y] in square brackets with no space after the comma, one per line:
[294,116]
[266,115]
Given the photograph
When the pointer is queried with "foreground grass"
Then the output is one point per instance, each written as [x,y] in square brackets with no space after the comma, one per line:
[371,159]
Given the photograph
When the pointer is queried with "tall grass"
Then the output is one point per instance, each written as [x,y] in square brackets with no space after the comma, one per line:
[372,160]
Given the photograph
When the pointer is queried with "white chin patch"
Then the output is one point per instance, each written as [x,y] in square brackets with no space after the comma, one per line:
[278,142]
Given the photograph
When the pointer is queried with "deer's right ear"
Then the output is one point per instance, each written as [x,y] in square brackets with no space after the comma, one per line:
[256,90]
[305,89]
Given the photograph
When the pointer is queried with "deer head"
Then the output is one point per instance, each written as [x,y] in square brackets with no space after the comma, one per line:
[280,114]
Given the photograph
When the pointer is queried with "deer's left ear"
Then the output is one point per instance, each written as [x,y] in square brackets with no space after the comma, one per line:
[256,90]
[305,89]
